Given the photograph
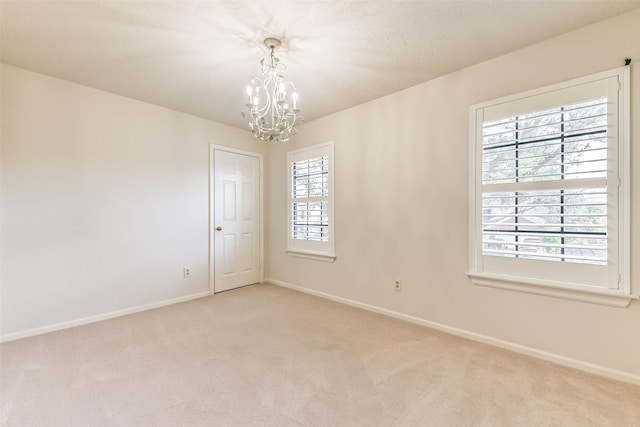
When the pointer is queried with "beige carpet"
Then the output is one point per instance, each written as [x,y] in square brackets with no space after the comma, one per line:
[268,356]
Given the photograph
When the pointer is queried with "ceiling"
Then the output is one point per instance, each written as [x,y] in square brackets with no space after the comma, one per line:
[197,56]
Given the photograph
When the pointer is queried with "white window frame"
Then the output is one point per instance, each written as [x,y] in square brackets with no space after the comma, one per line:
[316,250]
[539,277]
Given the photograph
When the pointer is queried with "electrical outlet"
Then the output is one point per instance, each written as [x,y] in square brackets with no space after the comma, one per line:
[397,285]
[186,272]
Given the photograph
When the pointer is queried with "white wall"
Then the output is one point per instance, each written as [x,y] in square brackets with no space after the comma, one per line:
[104,201]
[401,192]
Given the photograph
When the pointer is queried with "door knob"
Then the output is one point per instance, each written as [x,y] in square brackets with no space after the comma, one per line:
[218,228]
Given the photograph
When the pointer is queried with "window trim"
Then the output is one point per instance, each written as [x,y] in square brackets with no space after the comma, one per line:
[319,251]
[620,297]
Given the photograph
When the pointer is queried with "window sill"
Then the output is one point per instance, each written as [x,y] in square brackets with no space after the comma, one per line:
[603,297]
[317,256]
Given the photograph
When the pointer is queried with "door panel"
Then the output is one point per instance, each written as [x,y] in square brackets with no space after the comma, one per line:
[236,220]
[247,253]
[229,200]
[228,254]
[248,207]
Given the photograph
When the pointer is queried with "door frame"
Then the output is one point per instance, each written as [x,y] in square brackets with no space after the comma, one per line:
[212,199]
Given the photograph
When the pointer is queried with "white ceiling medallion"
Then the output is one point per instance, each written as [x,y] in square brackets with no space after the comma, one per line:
[272,108]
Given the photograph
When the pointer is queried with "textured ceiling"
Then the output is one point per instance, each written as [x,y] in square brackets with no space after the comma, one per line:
[197,56]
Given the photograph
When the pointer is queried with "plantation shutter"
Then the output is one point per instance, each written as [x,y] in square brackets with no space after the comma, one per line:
[310,231]
[310,199]
[549,190]
[544,184]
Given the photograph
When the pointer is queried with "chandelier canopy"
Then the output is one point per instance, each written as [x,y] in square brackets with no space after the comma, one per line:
[272,108]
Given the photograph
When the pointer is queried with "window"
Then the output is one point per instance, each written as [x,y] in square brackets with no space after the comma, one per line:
[549,188]
[310,202]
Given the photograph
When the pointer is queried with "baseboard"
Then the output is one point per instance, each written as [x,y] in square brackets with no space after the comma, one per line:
[507,345]
[91,319]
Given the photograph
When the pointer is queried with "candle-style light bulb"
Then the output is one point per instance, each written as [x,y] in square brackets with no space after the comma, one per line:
[249,91]
[295,99]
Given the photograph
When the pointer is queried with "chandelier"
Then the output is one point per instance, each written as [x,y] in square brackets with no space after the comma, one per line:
[272,108]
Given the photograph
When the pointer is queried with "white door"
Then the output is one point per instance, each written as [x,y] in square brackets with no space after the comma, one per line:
[236,219]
